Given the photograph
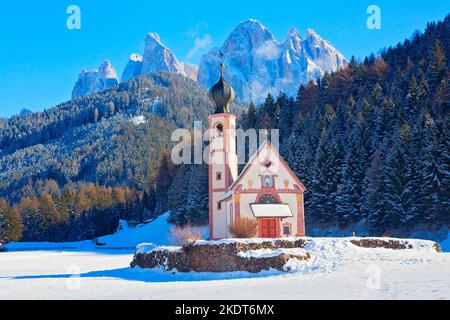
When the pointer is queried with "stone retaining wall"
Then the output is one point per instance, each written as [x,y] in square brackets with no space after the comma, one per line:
[394,244]
[223,256]
[219,257]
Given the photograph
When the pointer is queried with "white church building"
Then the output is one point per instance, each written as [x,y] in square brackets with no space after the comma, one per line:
[266,190]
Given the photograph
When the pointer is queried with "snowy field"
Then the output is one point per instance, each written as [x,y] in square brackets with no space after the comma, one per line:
[337,270]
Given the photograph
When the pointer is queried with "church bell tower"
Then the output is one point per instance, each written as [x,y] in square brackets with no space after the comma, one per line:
[223,164]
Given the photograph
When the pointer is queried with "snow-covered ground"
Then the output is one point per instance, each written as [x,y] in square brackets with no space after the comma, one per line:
[157,232]
[337,270]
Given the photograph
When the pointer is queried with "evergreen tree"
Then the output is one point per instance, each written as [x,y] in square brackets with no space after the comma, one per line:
[350,202]
[163,183]
[376,202]
[436,174]
[10,225]
[438,65]
[323,181]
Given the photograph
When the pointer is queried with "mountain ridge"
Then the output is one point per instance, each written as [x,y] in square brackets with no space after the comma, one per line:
[257,64]
[266,65]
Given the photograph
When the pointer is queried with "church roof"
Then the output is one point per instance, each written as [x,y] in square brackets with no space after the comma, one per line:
[222,94]
[251,162]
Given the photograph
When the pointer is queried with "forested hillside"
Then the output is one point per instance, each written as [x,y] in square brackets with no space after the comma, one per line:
[117,141]
[371,142]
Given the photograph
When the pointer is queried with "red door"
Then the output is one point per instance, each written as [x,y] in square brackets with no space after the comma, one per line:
[269,228]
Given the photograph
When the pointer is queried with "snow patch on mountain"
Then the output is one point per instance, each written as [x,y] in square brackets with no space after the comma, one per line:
[138,120]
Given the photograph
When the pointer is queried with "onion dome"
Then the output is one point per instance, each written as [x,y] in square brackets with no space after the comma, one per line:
[222,94]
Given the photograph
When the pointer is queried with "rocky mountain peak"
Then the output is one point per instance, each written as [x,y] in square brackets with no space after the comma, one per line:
[154,36]
[293,40]
[133,67]
[247,36]
[158,58]
[90,81]
[106,70]
[256,63]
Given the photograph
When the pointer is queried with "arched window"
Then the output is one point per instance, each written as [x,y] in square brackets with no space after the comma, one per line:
[268,199]
[218,132]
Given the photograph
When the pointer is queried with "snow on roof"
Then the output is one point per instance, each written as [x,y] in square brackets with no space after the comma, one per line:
[271,210]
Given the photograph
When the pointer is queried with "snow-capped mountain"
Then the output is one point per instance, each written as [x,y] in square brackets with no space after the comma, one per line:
[95,80]
[256,63]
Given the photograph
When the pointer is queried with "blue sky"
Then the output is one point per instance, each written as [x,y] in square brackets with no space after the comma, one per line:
[40,58]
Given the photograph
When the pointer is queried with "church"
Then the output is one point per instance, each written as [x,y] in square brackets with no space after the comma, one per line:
[266,190]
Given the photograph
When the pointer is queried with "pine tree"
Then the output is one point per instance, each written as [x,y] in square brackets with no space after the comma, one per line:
[178,194]
[395,180]
[376,202]
[436,174]
[163,183]
[323,182]
[10,224]
[413,170]
[438,64]
[349,206]
[197,205]
[269,105]
[251,116]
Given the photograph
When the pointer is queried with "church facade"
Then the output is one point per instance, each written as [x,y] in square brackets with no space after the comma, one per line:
[266,190]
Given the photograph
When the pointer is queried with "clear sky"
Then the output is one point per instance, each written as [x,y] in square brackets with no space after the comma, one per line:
[40,58]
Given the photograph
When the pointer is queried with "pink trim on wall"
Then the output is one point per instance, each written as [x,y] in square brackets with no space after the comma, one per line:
[210,192]
[237,206]
[300,216]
